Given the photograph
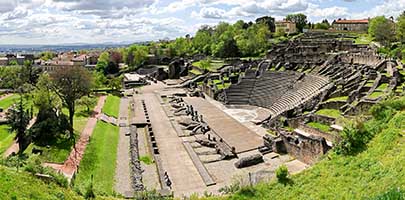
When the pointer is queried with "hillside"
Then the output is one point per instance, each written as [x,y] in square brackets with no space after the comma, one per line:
[21,185]
[367,174]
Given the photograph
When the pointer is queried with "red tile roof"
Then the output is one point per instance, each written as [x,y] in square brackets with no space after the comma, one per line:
[355,21]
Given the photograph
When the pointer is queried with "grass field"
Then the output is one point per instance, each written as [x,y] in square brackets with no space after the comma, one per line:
[329,112]
[9,101]
[99,160]
[21,185]
[214,65]
[342,98]
[375,95]
[6,138]
[112,106]
[320,126]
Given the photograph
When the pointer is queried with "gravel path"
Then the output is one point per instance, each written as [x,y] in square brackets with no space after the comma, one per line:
[123,184]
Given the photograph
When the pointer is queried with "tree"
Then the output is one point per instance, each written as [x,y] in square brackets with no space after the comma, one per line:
[18,118]
[299,19]
[115,83]
[50,121]
[13,62]
[71,84]
[88,102]
[400,28]
[382,29]
[102,62]
[323,25]
[47,55]
[202,42]
[269,21]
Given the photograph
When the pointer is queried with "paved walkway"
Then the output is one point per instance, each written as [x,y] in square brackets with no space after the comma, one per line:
[123,183]
[71,164]
[234,134]
[175,159]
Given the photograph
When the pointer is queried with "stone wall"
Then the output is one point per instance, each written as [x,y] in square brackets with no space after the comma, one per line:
[306,149]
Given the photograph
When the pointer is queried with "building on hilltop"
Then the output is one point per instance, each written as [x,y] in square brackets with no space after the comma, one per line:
[286,26]
[351,25]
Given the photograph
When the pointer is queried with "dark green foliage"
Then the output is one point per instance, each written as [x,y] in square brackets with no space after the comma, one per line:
[50,124]
[282,174]
[392,194]
[269,21]
[354,137]
[300,20]
[382,29]
[18,118]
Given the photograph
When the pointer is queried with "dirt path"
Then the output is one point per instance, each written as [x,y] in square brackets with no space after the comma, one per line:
[5,96]
[71,164]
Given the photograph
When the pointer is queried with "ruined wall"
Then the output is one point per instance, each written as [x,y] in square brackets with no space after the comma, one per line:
[305,149]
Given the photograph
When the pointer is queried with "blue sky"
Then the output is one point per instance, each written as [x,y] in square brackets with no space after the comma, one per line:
[100,21]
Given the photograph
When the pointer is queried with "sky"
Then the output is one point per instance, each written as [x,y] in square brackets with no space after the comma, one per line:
[117,21]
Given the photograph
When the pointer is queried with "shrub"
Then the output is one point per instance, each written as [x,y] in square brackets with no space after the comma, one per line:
[282,174]
[354,138]
[392,194]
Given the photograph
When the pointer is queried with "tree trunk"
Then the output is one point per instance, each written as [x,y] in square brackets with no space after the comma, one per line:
[71,115]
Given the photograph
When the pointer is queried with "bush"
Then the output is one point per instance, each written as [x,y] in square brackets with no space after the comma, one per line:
[354,138]
[392,194]
[282,174]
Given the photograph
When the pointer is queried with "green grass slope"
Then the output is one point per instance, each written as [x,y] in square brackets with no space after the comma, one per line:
[112,106]
[369,173]
[99,160]
[21,185]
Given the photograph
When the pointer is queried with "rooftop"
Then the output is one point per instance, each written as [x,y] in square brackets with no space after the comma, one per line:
[352,21]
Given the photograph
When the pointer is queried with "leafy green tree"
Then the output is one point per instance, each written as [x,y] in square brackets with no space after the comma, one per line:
[71,84]
[102,62]
[269,21]
[50,122]
[225,46]
[382,29]
[202,42]
[18,118]
[88,102]
[47,55]
[299,19]
[115,83]
[400,28]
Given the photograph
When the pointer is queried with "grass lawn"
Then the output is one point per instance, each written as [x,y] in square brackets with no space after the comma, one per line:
[343,98]
[224,86]
[329,112]
[147,160]
[9,101]
[215,64]
[375,95]
[21,185]
[195,72]
[99,160]
[112,106]
[363,39]
[6,138]
[320,126]
[382,87]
